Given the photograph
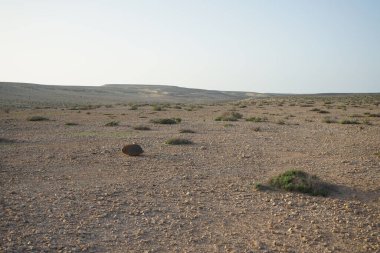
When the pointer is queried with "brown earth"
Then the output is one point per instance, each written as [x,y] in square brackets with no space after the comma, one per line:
[71,189]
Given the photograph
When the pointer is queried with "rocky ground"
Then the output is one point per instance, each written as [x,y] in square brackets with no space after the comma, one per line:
[71,189]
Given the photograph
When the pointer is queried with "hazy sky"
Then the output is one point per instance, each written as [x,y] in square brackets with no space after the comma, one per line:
[293,46]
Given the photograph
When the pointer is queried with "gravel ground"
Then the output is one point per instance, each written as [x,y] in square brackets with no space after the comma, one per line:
[71,189]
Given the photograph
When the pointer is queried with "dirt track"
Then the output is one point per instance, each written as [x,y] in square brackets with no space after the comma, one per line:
[71,189]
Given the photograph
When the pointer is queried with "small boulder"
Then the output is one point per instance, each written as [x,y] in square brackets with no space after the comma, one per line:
[132,150]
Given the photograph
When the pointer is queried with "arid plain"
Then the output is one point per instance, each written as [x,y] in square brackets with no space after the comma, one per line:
[67,187]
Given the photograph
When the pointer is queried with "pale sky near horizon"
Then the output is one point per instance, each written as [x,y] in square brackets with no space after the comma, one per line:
[293,46]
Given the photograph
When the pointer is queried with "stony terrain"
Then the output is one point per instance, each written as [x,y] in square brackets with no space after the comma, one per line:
[69,188]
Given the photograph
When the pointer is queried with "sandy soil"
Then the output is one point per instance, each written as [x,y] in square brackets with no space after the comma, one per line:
[71,189]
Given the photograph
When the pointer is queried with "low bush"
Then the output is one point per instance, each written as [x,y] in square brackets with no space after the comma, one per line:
[178,141]
[166,121]
[37,118]
[349,121]
[133,107]
[142,128]
[299,181]
[187,131]
[71,124]
[112,123]
[5,140]
[229,116]
[257,119]
[329,120]
[157,108]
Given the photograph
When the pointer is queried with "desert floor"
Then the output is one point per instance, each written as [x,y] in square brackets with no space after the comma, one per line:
[71,189]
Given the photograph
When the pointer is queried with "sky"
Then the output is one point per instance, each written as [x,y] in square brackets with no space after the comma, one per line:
[278,46]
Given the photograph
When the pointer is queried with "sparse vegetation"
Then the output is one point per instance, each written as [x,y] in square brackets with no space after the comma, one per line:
[280,122]
[329,120]
[299,181]
[142,128]
[5,140]
[112,123]
[373,114]
[71,124]
[37,118]
[257,119]
[256,129]
[84,107]
[166,121]
[133,107]
[187,131]
[349,121]
[319,110]
[229,116]
[178,141]
[367,122]
[157,108]
[259,186]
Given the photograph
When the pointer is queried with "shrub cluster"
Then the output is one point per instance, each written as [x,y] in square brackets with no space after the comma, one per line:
[37,118]
[166,121]
[299,181]
[178,141]
[112,123]
[229,116]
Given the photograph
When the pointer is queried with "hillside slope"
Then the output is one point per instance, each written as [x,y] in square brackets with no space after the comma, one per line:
[24,94]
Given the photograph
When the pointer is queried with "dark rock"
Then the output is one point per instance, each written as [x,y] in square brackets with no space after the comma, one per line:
[132,150]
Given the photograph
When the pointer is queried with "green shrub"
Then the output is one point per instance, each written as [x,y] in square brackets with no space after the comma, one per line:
[259,186]
[37,118]
[166,121]
[157,108]
[257,119]
[187,131]
[299,181]
[178,141]
[329,120]
[84,107]
[373,114]
[71,124]
[112,123]
[229,116]
[367,122]
[142,128]
[5,140]
[349,121]
[133,107]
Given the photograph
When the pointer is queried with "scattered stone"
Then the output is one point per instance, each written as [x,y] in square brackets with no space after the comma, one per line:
[132,150]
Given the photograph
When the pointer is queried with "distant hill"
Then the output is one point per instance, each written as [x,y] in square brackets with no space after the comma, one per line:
[27,94]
